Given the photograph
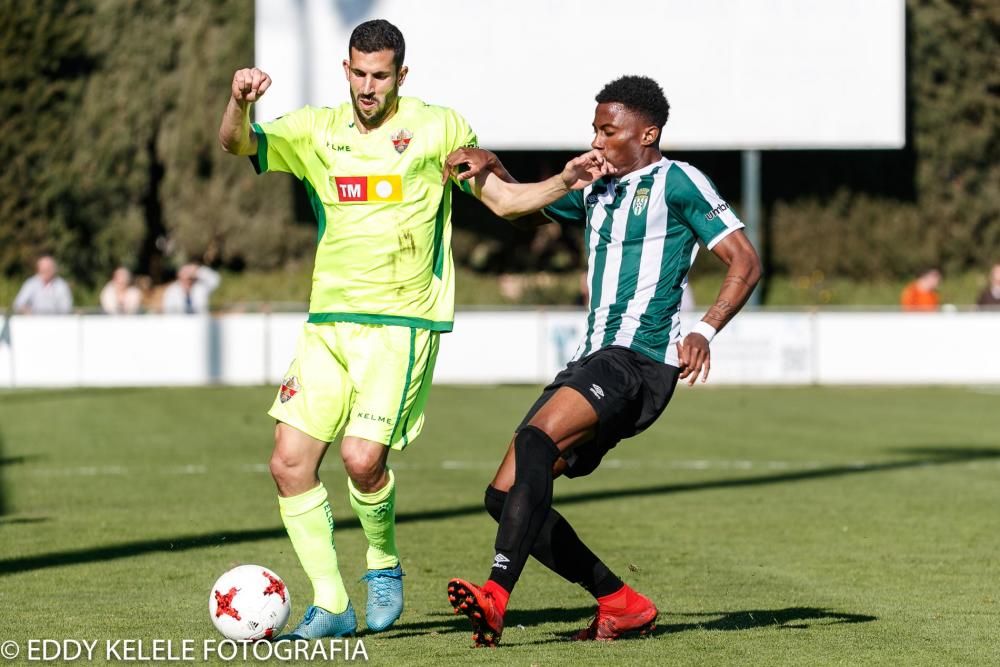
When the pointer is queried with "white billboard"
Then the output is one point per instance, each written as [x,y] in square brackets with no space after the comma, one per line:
[765,74]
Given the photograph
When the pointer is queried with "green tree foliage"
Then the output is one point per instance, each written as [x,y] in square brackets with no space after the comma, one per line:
[113,123]
[45,63]
[954,123]
[110,108]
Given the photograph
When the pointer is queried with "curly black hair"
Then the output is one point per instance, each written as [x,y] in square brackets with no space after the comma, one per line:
[379,35]
[638,93]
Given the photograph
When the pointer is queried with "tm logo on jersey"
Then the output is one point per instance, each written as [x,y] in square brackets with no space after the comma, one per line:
[500,561]
[363,189]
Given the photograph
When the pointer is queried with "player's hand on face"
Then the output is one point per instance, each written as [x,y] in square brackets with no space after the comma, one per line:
[474,160]
[695,358]
[249,85]
[584,169]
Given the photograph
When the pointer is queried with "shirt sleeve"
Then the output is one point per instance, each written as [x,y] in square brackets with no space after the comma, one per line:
[64,297]
[458,134]
[693,196]
[209,278]
[568,208]
[25,294]
[282,142]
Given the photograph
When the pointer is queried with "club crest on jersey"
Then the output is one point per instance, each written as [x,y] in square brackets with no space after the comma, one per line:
[401,139]
[289,387]
[640,200]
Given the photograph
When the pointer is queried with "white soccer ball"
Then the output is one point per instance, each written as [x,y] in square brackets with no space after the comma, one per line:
[248,603]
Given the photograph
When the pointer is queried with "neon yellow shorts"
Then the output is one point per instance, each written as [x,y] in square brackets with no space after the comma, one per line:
[372,381]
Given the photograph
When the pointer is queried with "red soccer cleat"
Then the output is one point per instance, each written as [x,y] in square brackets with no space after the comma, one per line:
[620,613]
[482,609]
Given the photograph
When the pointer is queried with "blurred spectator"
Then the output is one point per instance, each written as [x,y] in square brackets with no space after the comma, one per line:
[191,291]
[120,296]
[44,293]
[922,293]
[991,294]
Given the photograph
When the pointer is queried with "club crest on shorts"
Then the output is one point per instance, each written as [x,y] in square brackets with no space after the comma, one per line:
[289,387]
[640,200]
[401,139]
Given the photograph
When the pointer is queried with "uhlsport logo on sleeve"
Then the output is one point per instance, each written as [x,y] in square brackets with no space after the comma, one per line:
[368,189]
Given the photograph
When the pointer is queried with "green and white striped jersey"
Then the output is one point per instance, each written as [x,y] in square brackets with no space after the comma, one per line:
[642,234]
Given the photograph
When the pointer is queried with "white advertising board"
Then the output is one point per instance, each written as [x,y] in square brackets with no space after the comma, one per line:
[508,346]
[763,74]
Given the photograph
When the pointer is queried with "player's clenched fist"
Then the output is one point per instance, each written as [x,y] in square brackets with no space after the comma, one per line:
[249,85]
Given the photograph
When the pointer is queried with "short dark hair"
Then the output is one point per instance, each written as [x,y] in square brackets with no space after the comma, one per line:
[378,35]
[640,94]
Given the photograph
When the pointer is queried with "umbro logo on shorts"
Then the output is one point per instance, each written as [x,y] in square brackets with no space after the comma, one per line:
[597,391]
[500,561]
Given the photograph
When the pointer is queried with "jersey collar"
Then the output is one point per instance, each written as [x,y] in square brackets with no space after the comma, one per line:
[639,173]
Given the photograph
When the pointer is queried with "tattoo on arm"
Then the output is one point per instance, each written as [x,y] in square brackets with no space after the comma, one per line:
[721,311]
[736,280]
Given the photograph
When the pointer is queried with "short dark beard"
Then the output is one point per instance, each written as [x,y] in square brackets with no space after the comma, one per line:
[380,114]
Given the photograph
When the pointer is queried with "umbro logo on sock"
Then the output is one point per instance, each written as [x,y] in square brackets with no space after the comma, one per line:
[500,561]
[597,391]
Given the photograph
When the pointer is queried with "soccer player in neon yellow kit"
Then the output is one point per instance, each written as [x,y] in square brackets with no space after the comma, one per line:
[383,291]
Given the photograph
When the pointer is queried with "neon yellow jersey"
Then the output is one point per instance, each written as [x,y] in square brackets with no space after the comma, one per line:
[383,252]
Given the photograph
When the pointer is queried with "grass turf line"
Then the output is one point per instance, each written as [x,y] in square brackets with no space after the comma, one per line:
[770,525]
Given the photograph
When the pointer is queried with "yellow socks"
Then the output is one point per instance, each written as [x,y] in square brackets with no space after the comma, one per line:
[309,522]
[377,513]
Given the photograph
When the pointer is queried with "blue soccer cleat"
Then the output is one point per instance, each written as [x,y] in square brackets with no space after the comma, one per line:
[385,597]
[319,622]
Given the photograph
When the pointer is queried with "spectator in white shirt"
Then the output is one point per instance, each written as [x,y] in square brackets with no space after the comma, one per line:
[44,293]
[191,291]
[120,296]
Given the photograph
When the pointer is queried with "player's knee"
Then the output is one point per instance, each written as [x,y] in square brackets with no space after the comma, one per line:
[494,501]
[365,468]
[287,470]
[534,450]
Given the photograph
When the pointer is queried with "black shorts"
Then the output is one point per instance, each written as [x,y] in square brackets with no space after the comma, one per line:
[627,389]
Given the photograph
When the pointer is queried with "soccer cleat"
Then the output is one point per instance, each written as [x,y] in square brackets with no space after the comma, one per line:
[480,607]
[319,622]
[385,597]
[613,621]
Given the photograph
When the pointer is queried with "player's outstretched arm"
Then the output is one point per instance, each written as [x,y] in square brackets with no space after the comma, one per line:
[248,86]
[466,163]
[511,199]
[744,272]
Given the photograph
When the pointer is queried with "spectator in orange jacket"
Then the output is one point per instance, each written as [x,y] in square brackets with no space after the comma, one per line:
[922,293]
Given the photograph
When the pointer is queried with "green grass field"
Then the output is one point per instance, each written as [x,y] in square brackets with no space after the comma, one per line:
[798,526]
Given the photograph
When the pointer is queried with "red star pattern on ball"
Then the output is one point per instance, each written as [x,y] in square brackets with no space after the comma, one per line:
[224,604]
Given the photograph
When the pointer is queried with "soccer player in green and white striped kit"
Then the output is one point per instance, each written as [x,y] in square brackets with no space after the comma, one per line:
[643,224]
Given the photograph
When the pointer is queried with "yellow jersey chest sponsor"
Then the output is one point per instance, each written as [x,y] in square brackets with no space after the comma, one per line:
[367,189]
